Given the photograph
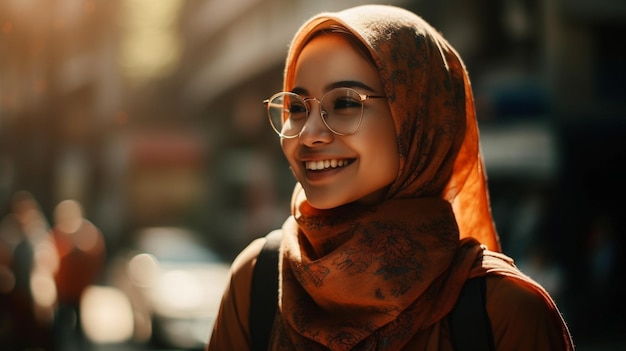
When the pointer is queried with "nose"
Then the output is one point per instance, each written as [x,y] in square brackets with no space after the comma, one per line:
[314,130]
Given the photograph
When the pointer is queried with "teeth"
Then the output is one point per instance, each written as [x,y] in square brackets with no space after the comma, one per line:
[319,165]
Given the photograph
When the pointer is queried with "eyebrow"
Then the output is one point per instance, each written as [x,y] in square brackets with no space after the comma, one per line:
[339,84]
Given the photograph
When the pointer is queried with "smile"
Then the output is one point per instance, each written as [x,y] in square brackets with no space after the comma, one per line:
[325,164]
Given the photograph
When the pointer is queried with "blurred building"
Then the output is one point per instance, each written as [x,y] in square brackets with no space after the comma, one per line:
[149,114]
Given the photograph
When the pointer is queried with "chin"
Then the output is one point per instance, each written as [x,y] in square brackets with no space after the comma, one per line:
[322,201]
[322,205]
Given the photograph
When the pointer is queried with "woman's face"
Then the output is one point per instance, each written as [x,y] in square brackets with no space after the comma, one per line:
[367,161]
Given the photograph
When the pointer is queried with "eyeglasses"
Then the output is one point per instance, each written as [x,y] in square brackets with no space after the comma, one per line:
[341,110]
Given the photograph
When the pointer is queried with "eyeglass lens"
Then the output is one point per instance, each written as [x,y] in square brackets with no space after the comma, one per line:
[341,110]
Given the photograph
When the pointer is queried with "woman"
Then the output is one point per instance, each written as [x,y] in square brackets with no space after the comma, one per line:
[391,215]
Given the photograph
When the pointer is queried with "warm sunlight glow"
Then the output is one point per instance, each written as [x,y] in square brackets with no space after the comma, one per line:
[150,46]
[143,270]
[106,315]
[44,288]
[177,292]
[68,216]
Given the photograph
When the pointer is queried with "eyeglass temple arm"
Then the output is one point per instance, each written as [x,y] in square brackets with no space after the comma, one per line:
[267,102]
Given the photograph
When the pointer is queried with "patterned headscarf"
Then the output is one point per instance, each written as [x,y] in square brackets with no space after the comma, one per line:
[432,106]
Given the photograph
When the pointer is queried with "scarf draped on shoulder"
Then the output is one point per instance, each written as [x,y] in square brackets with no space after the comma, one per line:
[369,278]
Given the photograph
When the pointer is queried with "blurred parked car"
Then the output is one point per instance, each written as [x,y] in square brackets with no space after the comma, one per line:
[174,283]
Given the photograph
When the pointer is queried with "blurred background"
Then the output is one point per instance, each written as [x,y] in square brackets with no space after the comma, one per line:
[136,160]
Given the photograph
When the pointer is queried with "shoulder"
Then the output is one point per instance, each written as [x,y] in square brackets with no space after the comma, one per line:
[243,265]
[503,290]
[231,330]
[510,294]
[237,294]
[522,314]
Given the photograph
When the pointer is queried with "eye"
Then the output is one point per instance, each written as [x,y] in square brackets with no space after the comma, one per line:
[346,104]
[297,109]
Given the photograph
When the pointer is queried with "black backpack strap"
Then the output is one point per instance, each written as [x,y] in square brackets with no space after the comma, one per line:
[470,328]
[264,292]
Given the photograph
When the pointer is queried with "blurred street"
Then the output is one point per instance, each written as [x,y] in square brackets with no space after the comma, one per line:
[136,159]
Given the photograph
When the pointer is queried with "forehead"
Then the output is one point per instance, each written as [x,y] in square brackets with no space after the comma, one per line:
[329,58]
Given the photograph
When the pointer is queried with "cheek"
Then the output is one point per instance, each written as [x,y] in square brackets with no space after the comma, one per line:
[383,159]
[383,162]
[289,147]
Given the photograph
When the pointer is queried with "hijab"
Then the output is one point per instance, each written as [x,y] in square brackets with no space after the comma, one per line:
[371,277]
[432,106]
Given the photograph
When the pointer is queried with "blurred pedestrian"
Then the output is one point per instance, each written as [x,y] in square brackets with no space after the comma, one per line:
[25,322]
[81,251]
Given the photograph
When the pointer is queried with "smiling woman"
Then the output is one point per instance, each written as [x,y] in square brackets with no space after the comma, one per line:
[390,219]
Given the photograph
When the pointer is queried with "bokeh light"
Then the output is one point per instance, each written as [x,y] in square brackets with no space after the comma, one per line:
[107,315]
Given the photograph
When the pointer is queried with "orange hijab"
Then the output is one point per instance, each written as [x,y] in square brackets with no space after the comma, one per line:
[432,105]
[371,277]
